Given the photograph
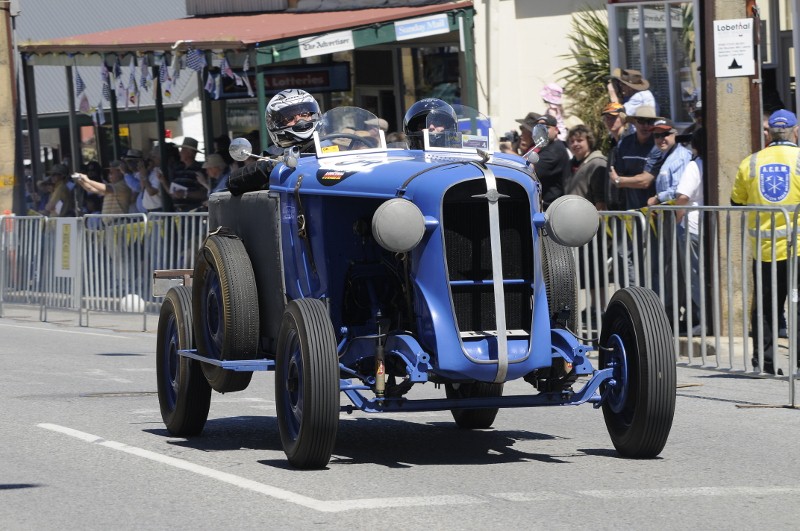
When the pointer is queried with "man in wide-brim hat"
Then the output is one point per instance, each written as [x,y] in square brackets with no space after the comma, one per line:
[629,87]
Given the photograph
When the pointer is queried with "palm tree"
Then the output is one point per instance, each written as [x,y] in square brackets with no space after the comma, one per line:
[585,80]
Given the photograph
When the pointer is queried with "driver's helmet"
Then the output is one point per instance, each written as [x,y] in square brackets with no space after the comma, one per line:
[423,113]
[283,108]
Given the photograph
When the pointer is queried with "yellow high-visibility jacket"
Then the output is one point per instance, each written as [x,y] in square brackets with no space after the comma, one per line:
[770,177]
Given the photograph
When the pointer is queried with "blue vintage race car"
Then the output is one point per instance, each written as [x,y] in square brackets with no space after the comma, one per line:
[367,270]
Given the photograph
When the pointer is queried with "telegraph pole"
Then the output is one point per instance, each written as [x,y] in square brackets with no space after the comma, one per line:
[8,105]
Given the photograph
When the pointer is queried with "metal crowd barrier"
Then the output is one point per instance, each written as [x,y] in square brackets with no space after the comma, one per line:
[95,263]
[104,263]
[721,284]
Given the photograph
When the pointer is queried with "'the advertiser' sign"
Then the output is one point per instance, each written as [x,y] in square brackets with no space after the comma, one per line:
[328,77]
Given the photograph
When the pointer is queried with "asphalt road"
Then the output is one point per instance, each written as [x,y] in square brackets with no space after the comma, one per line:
[82,446]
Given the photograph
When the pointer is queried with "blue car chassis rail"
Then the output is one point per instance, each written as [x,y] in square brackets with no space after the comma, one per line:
[588,393]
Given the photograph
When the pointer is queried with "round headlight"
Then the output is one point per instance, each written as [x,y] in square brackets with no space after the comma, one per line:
[398,225]
[572,221]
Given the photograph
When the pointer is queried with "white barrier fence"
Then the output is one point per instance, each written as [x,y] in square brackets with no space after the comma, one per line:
[96,263]
[704,276]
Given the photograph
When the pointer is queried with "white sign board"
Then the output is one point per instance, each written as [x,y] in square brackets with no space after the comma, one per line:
[421,27]
[341,41]
[67,248]
[733,48]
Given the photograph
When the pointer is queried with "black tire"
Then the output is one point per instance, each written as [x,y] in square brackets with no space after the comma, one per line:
[638,410]
[560,280]
[225,303]
[307,384]
[474,419]
[183,392]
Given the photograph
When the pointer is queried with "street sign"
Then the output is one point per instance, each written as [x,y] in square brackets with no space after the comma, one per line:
[733,48]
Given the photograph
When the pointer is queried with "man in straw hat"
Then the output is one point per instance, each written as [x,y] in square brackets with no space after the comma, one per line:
[629,87]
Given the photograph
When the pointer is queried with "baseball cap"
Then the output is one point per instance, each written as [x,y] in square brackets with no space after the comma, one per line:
[547,119]
[613,108]
[662,124]
[782,119]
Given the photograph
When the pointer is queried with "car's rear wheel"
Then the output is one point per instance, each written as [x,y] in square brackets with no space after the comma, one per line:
[307,384]
[226,310]
[478,418]
[183,392]
[635,341]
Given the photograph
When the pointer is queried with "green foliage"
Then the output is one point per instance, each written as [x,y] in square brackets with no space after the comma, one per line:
[586,78]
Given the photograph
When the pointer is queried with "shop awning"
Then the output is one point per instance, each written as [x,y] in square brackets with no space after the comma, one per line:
[233,32]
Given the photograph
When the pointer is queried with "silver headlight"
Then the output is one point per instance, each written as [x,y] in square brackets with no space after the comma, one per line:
[398,225]
[571,221]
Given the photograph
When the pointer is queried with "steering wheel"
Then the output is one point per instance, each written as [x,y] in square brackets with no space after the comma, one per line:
[367,141]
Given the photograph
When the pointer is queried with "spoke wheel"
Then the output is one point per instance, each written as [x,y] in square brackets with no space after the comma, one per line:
[225,302]
[474,419]
[560,280]
[183,392]
[307,384]
[639,405]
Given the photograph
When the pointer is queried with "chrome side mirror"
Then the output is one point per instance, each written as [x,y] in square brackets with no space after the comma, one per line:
[240,149]
[540,136]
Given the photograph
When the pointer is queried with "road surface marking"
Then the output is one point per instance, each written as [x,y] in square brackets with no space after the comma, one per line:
[336,506]
[262,488]
[39,329]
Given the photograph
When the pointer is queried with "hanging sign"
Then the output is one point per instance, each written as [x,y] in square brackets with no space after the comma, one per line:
[341,41]
[421,27]
[733,48]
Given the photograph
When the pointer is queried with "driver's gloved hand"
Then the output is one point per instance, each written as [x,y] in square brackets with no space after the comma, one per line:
[250,178]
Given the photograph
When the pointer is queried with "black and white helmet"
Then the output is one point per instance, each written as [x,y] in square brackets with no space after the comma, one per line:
[282,110]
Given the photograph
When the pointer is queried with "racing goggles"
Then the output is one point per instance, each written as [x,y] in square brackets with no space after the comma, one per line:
[294,113]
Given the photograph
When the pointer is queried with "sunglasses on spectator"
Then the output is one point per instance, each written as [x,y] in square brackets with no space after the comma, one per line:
[661,135]
[645,121]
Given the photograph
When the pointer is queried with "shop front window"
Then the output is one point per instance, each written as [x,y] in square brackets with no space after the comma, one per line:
[658,38]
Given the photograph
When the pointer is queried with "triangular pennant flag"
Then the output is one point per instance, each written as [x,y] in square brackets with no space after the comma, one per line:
[133,89]
[83,104]
[246,76]
[104,76]
[117,68]
[218,86]
[196,60]
[178,62]
[145,75]
[163,77]
[225,68]
[80,86]
[210,84]
[101,114]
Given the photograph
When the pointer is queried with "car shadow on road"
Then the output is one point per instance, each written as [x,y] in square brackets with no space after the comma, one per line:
[387,442]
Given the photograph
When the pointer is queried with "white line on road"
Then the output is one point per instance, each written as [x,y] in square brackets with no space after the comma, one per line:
[415,501]
[39,329]
[262,488]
